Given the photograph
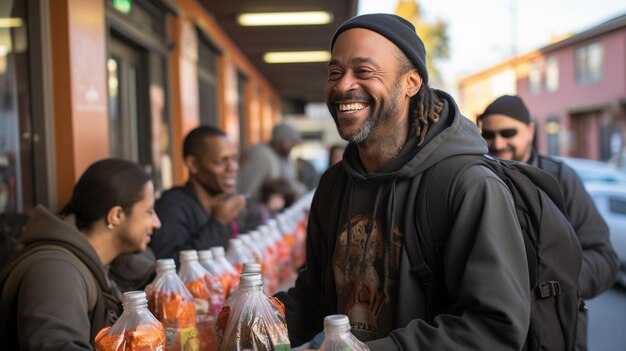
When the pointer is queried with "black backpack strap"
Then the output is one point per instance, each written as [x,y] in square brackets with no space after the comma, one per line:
[550,165]
[425,252]
[542,179]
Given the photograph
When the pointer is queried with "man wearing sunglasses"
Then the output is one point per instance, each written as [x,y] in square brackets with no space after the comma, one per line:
[505,125]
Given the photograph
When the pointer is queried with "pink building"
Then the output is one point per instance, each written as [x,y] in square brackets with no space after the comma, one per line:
[575,90]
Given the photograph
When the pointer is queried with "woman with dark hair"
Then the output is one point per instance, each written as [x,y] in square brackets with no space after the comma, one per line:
[58,295]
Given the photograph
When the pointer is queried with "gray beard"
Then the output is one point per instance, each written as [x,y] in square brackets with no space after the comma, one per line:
[370,125]
[364,132]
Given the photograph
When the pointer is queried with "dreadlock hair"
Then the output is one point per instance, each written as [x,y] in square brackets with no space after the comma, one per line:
[425,110]
[425,107]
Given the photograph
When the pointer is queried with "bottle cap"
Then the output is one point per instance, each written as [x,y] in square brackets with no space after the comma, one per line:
[336,320]
[205,255]
[250,279]
[218,251]
[251,267]
[188,255]
[165,264]
[135,298]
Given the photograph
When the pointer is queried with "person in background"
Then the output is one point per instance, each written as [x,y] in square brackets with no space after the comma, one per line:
[365,207]
[276,195]
[45,302]
[509,132]
[335,154]
[269,161]
[307,174]
[203,212]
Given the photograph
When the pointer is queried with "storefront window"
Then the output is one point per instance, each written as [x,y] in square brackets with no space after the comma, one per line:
[15,137]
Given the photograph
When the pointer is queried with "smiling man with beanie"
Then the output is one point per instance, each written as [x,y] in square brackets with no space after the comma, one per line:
[362,226]
[509,132]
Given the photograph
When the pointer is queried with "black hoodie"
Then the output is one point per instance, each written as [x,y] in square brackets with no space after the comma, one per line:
[484,261]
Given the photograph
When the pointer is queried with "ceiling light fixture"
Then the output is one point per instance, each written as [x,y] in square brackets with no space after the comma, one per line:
[296,56]
[285,18]
[9,22]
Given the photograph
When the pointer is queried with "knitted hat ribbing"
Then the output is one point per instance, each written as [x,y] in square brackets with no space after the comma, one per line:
[395,28]
[508,105]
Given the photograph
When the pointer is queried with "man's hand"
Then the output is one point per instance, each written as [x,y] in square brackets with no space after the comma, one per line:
[228,207]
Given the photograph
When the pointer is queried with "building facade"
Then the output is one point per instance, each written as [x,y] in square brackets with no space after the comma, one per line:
[575,90]
[82,80]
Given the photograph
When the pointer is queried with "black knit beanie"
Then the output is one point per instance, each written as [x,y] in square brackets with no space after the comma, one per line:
[508,105]
[395,28]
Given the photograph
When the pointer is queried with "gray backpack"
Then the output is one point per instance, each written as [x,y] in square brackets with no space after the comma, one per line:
[103,305]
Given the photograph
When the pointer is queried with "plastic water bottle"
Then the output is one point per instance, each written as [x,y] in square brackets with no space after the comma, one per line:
[337,335]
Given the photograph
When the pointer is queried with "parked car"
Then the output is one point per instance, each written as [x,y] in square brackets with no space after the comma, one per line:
[591,171]
[610,199]
[607,186]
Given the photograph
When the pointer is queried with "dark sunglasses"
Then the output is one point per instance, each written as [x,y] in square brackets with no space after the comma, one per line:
[505,133]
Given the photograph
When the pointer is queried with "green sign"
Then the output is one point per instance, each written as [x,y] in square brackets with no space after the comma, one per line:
[123,6]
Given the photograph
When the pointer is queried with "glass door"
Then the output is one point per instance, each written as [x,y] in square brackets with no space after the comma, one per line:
[129,117]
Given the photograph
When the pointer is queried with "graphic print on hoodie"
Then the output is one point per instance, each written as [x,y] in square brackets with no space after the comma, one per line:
[360,277]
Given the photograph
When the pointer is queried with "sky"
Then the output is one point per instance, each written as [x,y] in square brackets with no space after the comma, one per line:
[481,32]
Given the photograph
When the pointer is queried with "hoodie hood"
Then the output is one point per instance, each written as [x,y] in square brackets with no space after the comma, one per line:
[452,135]
[44,226]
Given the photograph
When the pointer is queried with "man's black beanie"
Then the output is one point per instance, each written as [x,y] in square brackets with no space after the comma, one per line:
[508,105]
[395,28]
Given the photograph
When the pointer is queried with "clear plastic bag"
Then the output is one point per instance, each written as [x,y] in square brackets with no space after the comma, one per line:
[172,304]
[337,335]
[208,304]
[253,321]
[228,274]
[136,329]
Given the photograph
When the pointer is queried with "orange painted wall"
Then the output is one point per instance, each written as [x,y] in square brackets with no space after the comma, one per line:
[184,89]
[80,98]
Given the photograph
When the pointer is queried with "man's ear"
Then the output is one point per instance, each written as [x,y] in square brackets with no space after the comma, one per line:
[192,164]
[414,83]
[531,131]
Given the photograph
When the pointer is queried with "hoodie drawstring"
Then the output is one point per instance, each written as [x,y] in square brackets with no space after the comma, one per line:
[349,234]
[391,214]
[386,235]
[370,229]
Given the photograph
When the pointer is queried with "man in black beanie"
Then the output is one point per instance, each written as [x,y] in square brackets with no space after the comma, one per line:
[509,132]
[362,230]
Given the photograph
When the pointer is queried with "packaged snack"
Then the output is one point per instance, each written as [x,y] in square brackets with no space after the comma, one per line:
[252,320]
[228,274]
[136,329]
[207,304]
[172,304]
